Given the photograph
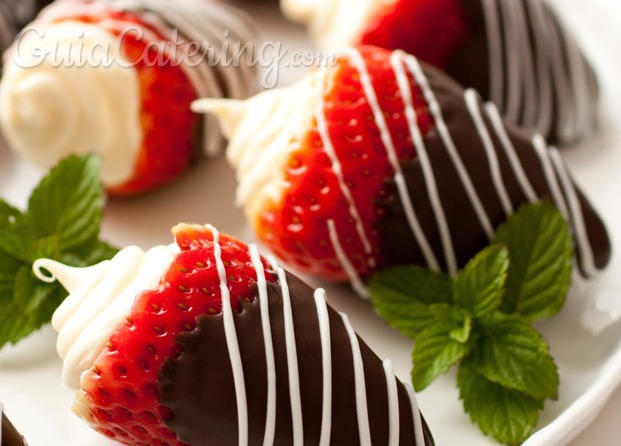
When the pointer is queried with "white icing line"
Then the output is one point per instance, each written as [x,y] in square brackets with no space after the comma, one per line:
[378,114]
[514,83]
[355,279]
[337,168]
[472,102]
[292,358]
[541,33]
[393,404]
[507,145]
[419,144]
[419,436]
[529,84]
[587,260]
[492,24]
[232,342]
[326,357]
[361,391]
[445,134]
[544,156]
[270,418]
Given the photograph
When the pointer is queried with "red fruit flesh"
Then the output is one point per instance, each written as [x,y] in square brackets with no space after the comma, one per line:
[295,228]
[121,389]
[168,124]
[430,30]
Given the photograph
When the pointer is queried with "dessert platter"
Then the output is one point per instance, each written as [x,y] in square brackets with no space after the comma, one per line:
[209,293]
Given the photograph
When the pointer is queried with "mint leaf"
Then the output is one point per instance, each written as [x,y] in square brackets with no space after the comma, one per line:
[68,202]
[514,355]
[540,248]
[456,321]
[480,287]
[402,296]
[62,223]
[507,415]
[435,352]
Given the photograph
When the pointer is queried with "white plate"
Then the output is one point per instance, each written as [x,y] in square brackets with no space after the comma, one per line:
[590,365]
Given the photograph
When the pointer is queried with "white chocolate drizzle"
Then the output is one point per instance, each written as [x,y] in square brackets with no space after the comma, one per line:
[337,169]
[535,62]
[292,357]
[204,23]
[362,409]
[232,342]
[270,419]
[393,404]
[326,359]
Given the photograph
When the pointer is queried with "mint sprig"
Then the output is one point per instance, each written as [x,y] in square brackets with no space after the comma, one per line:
[62,223]
[482,320]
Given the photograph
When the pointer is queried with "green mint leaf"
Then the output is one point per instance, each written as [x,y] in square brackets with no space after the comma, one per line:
[456,321]
[62,223]
[68,202]
[402,296]
[540,248]
[507,415]
[480,287]
[435,352]
[514,355]
[8,212]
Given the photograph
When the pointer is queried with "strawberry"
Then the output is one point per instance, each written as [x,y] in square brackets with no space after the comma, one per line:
[167,123]
[118,80]
[120,392]
[378,160]
[225,350]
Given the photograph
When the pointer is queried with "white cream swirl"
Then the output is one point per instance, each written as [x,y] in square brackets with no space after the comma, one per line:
[54,103]
[100,299]
[263,131]
[333,23]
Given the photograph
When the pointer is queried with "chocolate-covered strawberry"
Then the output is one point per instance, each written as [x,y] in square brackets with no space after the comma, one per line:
[117,78]
[515,53]
[378,160]
[204,342]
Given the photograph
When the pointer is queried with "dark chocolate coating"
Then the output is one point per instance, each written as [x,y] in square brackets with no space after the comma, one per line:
[10,436]
[206,413]
[470,64]
[398,243]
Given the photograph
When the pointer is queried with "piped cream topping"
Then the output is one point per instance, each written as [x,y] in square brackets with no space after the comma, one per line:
[54,104]
[100,299]
[262,133]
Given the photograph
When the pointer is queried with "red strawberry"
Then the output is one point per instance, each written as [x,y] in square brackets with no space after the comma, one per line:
[127,74]
[378,160]
[276,366]
[168,125]
[120,392]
